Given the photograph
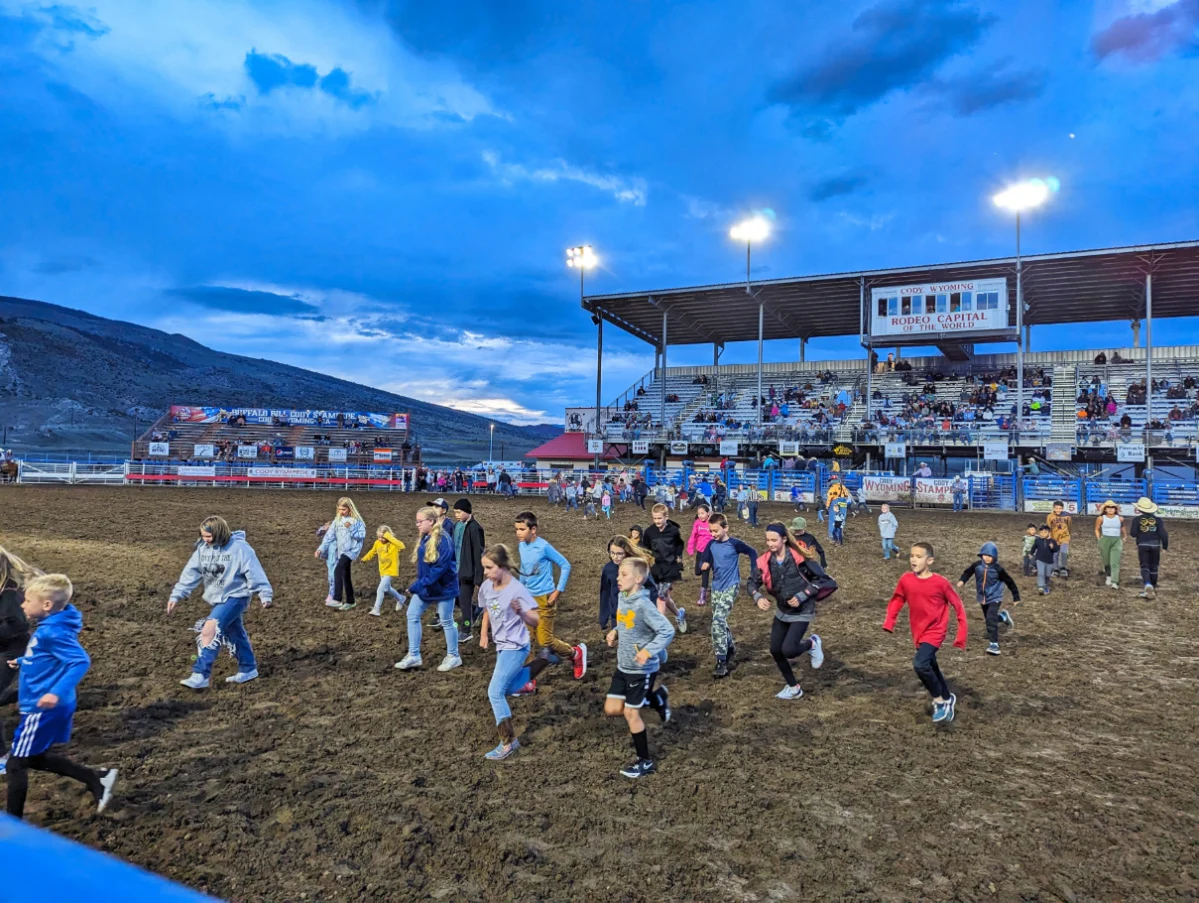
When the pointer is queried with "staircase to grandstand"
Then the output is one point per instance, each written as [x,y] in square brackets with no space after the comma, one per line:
[1063,419]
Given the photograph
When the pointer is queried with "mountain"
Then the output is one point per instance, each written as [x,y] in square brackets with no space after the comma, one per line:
[71,381]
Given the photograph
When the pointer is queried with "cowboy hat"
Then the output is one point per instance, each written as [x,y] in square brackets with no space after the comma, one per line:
[799,523]
[1145,505]
[1110,503]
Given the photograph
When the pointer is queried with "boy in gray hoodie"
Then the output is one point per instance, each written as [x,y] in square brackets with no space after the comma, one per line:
[641,636]
[224,562]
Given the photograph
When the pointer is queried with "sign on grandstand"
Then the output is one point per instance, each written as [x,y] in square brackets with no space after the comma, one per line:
[291,473]
[305,453]
[1059,451]
[995,450]
[887,489]
[641,446]
[203,450]
[193,470]
[580,420]
[160,449]
[285,453]
[896,450]
[337,455]
[729,447]
[247,451]
[595,446]
[1130,452]
[382,456]
[1044,506]
[968,305]
[678,448]
[288,417]
[788,449]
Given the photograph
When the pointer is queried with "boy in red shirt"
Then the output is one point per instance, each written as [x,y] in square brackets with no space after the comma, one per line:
[928,597]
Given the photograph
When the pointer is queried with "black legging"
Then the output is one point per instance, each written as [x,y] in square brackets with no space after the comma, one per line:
[466,605]
[342,582]
[787,641]
[18,777]
[1150,558]
[925,664]
[704,576]
[991,615]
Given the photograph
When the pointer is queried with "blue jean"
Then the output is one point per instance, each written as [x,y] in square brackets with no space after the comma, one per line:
[889,547]
[331,564]
[510,675]
[386,589]
[445,611]
[230,632]
[959,501]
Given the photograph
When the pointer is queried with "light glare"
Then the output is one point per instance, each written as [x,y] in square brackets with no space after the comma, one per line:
[752,230]
[1024,195]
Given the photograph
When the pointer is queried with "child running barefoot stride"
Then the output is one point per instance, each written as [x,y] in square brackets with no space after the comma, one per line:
[720,558]
[344,541]
[928,597]
[224,562]
[388,550]
[664,540]
[619,548]
[641,636]
[510,610]
[989,580]
[51,668]
[436,584]
[537,560]
[796,585]
[701,535]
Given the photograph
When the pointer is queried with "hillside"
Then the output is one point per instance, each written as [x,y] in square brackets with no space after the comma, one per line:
[73,381]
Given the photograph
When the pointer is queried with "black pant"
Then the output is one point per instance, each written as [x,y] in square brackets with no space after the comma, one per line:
[466,604]
[787,642]
[991,614]
[18,777]
[1150,557]
[342,582]
[1030,565]
[704,576]
[640,496]
[925,664]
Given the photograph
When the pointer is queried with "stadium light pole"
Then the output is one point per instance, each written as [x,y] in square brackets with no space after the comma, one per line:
[1022,196]
[582,258]
[753,229]
[491,449]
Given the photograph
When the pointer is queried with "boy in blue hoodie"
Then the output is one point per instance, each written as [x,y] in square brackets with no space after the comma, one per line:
[989,580]
[51,667]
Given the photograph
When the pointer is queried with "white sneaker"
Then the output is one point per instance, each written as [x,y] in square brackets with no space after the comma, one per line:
[196,681]
[400,602]
[332,603]
[377,612]
[450,662]
[790,692]
[409,662]
[817,653]
[1108,582]
[242,676]
[107,782]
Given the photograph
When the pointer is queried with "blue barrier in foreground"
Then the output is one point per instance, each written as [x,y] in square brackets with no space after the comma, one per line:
[43,866]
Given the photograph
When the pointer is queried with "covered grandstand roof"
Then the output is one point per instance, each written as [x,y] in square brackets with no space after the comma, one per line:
[1072,287]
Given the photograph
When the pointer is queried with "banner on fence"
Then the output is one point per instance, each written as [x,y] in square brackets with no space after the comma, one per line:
[1096,508]
[288,417]
[595,446]
[1179,512]
[291,473]
[1058,451]
[285,453]
[995,451]
[678,448]
[247,451]
[305,453]
[788,449]
[896,450]
[337,455]
[641,446]
[193,470]
[933,491]
[382,456]
[204,451]
[1130,452]
[729,447]
[887,489]
[784,495]
[160,449]
[1044,506]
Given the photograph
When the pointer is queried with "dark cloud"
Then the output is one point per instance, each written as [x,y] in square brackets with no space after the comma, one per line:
[271,71]
[245,301]
[890,47]
[1149,36]
[337,84]
[836,186]
[991,87]
[60,265]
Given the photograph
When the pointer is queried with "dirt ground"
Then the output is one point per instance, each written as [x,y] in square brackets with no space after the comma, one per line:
[1071,772]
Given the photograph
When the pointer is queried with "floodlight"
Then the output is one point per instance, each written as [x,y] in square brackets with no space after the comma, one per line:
[1023,195]
[754,229]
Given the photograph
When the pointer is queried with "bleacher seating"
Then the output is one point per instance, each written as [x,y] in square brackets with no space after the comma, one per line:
[1105,415]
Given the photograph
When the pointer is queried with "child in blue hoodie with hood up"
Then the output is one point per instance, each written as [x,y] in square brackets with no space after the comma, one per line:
[52,666]
[989,580]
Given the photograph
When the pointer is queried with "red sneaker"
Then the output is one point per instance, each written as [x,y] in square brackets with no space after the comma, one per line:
[527,690]
[580,660]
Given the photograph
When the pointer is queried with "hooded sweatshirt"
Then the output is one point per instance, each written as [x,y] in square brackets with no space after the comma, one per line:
[639,625]
[793,577]
[388,550]
[1149,531]
[990,579]
[701,535]
[345,540]
[231,571]
[666,544]
[54,662]
[436,581]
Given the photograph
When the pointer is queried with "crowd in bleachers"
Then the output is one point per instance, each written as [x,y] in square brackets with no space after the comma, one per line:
[1115,404]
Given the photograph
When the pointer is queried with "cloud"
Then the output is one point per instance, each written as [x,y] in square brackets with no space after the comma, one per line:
[223,297]
[627,191]
[70,19]
[874,222]
[991,87]
[57,266]
[836,186]
[277,71]
[1147,36]
[891,47]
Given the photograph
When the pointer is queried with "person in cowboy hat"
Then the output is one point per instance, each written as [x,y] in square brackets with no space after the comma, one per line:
[1151,537]
[799,527]
[1111,533]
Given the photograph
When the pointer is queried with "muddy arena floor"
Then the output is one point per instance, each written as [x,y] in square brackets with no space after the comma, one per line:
[1071,772]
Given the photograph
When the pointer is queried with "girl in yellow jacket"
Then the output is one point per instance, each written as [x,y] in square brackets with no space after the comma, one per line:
[388,549]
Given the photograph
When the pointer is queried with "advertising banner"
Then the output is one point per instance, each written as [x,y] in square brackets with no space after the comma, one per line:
[729,447]
[382,456]
[784,495]
[788,449]
[305,453]
[247,451]
[933,491]
[291,473]
[595,446]
[896,450]
[160,449]
[934,308]
[1096,508]
[1044,506]
[887,489]
[203,451]
[1179,512]
[193,470]
[678,448]
[995,451]
[285,453]
[337,455]
[289,417]
[641,446]
[1058,451]
[1130,452]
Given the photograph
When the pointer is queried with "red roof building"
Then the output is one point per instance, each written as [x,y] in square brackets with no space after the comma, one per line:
[567,450]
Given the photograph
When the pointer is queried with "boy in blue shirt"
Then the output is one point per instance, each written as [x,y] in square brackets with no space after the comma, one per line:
[51,667]
[537,560]
[720,557]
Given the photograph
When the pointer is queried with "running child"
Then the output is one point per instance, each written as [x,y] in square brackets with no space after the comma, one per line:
[537,560]
[509,610]
[51,668]
[387,548]
[720,558]
[224,562]
[989,580]
[809,545]
[796,585]
[436,584]
[1059,532]
[888,526]
[1029,546]
[1044,550]
[619,548]
[840,511]
[928,596]
[330,556]
[14,629]
[344,541]
[701,535]
[606,502]
[442,507]
[641,635]
[664,540]
[468,555]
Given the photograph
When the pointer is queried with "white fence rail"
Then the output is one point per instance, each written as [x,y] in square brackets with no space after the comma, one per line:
[71,473]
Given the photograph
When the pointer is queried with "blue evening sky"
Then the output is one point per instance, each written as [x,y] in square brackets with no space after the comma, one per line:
[383,191]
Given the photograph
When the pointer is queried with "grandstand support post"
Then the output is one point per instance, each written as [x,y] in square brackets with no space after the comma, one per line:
[761,317]
[803,349]
[662,409]
[1148,353]
[1019,333]
[599,366]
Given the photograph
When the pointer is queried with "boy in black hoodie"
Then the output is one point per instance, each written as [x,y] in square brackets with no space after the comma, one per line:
[664,539]
[1149,531]
[989,580]
[1044,550]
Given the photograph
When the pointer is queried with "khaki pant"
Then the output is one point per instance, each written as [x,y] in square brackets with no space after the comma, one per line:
[543,634]
[1110,550]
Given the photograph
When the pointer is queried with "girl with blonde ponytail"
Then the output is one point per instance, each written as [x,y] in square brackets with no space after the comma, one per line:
[436,585]
[344,540]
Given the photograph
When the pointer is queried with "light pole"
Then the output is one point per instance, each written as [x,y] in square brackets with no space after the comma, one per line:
[582,258]
[1022,196]
[754,229]
[491,449]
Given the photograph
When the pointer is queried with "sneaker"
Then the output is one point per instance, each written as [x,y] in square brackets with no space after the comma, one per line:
[377,612]
[703,597]
[502,751]
[1151,592]
[466,637]
[400,603]
[993,649]
[639,769]
[940,711]
[580,660]
[435,624]
[1143,594]
[332,603]
[347,606]
[107,782]
[817,653]
[1114,585]
[242,677]
[1005,617]
[450,662]
[790,692]
[681,621]
[527,690]
[409,662]
[951,706]
[196,682]
[722,669]
[1108,581]
[664,711]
